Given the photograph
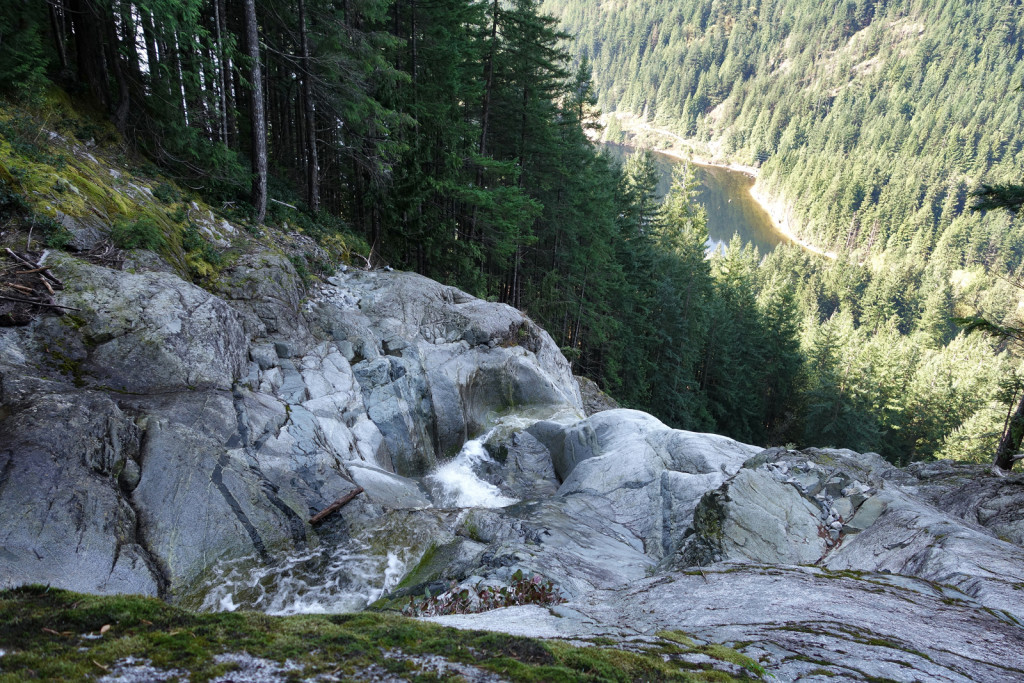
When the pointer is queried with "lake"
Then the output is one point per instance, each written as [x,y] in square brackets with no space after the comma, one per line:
[725,194]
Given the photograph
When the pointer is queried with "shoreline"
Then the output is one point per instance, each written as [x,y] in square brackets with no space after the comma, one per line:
[775,208]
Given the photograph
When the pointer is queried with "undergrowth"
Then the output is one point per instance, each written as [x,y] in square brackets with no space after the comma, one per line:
[481,598]
[56,635]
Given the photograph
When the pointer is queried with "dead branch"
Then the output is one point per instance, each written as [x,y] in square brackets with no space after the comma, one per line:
[45,271]
[335,506]
[38,303]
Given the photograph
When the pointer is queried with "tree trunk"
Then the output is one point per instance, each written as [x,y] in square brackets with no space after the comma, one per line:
[312,158]
[89,48]
[257,116]
[57,25]
[485,114]
[1013,434]
[222,77]
[118,68]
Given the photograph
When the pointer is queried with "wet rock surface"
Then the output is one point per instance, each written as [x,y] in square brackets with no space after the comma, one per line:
[175,442]
[164,430]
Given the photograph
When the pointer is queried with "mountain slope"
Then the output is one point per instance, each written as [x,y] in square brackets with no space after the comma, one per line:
[872,120]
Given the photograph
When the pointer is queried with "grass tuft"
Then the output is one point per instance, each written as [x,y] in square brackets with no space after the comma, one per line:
[57,635]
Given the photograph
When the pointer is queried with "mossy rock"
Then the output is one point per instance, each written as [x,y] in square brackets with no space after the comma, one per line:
[62,636]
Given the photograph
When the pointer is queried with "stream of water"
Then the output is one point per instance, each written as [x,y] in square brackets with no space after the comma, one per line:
[725,194]
[348,576]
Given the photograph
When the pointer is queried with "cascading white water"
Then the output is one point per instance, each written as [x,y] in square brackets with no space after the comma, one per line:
[456,483]
[348,577]
[321,581]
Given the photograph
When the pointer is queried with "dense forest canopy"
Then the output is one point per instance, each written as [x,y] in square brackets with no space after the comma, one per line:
[872,124]
[449,137]
[919,100]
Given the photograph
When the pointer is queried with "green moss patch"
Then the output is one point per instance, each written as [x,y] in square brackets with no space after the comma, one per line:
[50,634]
[723,653]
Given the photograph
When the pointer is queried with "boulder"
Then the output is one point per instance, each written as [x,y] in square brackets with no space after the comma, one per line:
[787,507]
[651,475]
[67,515]
[757,518]
[150,332]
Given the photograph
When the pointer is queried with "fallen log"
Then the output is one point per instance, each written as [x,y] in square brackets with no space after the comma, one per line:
[335,506]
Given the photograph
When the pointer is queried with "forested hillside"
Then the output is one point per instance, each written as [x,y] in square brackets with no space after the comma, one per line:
[449,138]
[917,100]
[445,137]
[872,124]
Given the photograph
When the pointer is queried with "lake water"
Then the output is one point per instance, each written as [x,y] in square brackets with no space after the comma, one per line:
[725,194]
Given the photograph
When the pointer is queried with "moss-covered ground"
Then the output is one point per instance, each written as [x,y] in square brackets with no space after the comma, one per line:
[56,635]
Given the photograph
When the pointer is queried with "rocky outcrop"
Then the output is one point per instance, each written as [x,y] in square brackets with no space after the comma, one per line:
[595,400]
[650,475]
[798,623]
[816,563]
[173,441]
[66,463]
[967,491]
[162,429]
[436,365]
[150,333]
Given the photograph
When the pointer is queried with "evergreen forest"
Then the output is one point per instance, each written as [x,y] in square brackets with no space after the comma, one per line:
[453,138]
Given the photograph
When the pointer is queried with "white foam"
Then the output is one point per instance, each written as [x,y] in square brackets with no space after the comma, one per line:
[227,603]
[327,580]
[456,483]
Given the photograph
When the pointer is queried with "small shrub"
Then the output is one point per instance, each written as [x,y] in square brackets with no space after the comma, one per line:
[141,234]
[166,193]
[195,243]
[12,202]
[54,235]
[521,591]
[302,270]
[29,139]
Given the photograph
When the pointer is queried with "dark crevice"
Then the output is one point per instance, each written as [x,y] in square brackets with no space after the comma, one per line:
[296,524]
[218,480]
[5,474]
[156,568]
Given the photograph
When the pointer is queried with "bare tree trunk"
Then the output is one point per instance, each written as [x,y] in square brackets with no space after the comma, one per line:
[312,158]
[1013,434]
[117,66]
[258,117]
[222,67]
[59,34]
[89,48]
[485,114]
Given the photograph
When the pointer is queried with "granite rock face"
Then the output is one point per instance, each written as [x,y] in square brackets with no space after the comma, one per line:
[152,332]
[650,475]
[171,441]
[163,430]
[66,464]
[436,365]
[819,564]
